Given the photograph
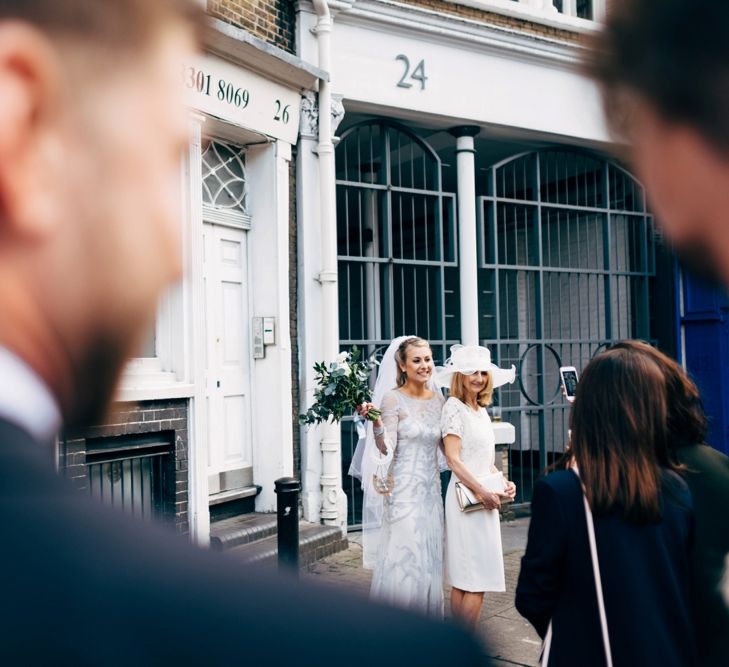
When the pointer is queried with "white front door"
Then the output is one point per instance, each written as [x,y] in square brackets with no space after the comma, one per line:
[228,357]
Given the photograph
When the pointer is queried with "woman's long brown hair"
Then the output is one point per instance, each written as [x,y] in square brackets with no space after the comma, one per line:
[686,418]
[620,434]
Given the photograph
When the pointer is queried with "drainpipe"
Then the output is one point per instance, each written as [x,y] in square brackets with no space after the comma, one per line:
[334,502]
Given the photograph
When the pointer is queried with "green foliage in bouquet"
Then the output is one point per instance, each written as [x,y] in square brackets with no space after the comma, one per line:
[341,387]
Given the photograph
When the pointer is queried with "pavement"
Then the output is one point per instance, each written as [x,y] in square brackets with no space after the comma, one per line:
[508,639]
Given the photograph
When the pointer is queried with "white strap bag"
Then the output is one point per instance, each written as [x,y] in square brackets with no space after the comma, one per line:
[544,658]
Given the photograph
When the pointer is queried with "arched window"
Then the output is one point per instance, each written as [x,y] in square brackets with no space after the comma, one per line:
[396,239]
[566,254]
[397,252]
[225,184]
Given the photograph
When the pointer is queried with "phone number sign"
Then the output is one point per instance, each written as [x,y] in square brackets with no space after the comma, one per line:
[241,97]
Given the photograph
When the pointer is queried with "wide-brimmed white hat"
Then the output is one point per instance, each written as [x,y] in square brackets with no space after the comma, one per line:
[468,359]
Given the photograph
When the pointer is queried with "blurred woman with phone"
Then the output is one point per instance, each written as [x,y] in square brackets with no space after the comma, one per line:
[606,571]
[474,560]
[706,472]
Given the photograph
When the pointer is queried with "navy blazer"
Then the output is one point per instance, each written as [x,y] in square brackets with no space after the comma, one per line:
[644,570]
[83,585]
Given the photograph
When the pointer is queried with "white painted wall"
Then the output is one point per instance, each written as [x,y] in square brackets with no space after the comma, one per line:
[469,81]
[267,167]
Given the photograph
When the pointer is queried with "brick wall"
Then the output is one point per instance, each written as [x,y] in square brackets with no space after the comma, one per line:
[271,20]
[492,18]
[169,420]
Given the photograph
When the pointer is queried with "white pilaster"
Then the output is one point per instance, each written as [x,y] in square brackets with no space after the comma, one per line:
[268,174]
[193,251]
[467,236]
[309,299]
[333,509]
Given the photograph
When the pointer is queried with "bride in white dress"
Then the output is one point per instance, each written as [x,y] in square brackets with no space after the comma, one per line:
[399,466]
[474,560]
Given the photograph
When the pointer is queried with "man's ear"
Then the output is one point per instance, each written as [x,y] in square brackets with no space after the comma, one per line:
[30,79]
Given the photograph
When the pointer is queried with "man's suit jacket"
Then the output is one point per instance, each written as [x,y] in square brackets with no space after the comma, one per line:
[707,475]
[644,570]
[82,585]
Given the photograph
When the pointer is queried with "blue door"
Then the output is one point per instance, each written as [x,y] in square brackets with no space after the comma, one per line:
[706,328]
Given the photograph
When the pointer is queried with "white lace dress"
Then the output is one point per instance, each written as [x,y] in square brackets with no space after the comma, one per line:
[474,560]
[409,568]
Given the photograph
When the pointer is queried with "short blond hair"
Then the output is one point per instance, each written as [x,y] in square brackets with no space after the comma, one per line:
[458,389]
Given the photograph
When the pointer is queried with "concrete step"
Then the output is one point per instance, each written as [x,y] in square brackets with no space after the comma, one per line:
[242,529]
[315,542]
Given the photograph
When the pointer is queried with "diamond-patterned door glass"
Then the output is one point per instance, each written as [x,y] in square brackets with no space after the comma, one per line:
[224,181]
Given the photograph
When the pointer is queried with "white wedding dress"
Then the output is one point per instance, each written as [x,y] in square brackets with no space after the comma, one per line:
[409,567]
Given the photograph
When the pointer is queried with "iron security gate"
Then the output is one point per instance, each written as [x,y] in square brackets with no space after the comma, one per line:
[134,474]
[566,254]
[398,271]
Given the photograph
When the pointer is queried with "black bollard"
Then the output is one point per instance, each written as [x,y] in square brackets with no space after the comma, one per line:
[287,510]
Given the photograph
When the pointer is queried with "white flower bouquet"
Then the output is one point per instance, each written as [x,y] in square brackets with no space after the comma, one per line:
[342,386]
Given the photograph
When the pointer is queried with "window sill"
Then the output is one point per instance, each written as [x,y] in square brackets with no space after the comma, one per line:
[152,392]
[144,380]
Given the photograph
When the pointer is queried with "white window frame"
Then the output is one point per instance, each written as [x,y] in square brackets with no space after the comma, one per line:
[542,11]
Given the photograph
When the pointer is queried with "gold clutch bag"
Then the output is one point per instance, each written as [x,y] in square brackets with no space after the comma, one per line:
[467,501]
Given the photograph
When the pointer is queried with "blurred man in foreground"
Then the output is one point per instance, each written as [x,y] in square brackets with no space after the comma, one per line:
[91,131]
[663,66]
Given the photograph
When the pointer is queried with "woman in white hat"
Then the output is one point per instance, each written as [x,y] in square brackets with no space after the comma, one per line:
[473,561]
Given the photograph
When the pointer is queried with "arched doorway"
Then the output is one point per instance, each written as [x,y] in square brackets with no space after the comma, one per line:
[398,271]
[566,254]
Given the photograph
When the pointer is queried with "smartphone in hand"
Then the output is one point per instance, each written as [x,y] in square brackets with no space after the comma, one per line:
[568,376]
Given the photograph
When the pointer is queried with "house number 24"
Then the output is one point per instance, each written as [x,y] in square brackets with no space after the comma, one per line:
[415,74]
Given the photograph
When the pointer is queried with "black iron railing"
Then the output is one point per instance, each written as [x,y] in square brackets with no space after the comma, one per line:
[132,474]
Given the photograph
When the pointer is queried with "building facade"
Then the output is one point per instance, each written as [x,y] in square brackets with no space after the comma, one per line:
[359,170]
[475,203]
[205,418]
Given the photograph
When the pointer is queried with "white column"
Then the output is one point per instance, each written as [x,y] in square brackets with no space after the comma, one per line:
[334,502]
[309,306]
[467,237]
[569,7]
[193,251]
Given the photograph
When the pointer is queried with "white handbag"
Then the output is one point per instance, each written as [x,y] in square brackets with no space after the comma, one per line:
[467,501]
[546,645]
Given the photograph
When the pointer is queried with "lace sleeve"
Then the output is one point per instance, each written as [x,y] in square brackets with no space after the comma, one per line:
[451,420]
[387,439]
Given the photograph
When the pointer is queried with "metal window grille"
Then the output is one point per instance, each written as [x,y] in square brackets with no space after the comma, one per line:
[133,475]
[397,251]
[566,254]
[224,180]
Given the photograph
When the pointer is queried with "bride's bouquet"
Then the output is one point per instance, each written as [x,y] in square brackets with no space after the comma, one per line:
[341,387]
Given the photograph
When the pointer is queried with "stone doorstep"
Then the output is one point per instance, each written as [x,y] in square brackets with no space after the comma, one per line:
[242,529]
[315,542]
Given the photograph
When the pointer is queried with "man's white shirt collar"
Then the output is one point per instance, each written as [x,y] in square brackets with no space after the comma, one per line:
[25,400]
